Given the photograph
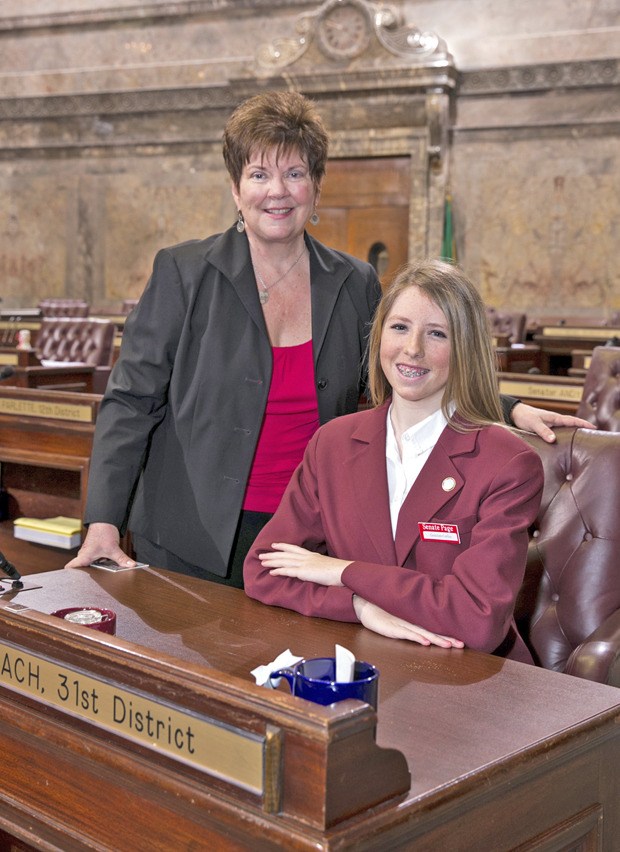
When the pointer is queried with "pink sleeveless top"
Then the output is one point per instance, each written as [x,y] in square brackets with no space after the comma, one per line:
[291,419]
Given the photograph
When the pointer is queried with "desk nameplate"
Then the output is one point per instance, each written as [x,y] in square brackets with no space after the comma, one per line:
[531,390]
[569,332]
[19,323]
[14,325]
[47,409]
[228,753]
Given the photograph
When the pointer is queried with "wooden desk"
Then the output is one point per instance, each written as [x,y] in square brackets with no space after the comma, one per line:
[29,372]
[518,358]
[60,377]
[11,356]
[558,342]
[45,445]
[501,755]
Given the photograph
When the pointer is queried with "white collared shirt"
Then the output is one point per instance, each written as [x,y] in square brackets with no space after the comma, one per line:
[417,443]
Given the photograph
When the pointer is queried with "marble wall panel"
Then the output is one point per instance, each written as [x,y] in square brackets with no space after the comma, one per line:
[489,33]
[74,227]
[35,225]
[538,223]
[148,209]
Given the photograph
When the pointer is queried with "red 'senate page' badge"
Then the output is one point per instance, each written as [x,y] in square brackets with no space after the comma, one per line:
[439,532]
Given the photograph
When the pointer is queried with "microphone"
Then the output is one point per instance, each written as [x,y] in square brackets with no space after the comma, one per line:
[11,571]
[6,372]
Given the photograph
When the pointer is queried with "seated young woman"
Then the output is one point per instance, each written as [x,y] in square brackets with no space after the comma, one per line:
[412,517]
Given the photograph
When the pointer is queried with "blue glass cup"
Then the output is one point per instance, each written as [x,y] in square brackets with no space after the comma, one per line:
[315,680]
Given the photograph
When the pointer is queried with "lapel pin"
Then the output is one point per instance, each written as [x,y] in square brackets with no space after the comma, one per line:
[449,483]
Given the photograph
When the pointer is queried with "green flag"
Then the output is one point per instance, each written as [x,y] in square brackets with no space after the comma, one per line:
[448,244]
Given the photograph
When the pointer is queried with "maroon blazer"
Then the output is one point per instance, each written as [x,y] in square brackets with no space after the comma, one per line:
[488,483]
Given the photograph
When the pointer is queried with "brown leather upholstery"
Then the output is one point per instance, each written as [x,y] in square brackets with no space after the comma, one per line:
[81,340]
[600,400]
[569,606]
[510,324]
[64,308]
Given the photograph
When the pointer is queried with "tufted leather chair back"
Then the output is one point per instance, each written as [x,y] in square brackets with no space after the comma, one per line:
[600,400]
[510,324]
[64,308]
[85,341]
[569,605]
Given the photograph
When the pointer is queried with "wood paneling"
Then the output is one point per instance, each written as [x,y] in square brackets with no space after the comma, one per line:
[365,204]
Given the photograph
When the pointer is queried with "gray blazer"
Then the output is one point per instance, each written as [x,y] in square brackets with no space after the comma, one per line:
[179,422]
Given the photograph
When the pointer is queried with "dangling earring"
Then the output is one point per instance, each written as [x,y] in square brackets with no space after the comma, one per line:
[240,222]
[315,218]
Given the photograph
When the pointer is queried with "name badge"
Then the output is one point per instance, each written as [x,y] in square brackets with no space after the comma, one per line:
[439,532]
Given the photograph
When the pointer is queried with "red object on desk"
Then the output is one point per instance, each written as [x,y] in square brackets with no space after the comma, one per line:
[103,620]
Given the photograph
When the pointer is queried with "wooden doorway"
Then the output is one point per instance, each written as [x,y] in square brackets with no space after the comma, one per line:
[364,210]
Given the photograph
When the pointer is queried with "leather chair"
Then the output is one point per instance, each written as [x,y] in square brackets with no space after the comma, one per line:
[64,308]
[80,340]
[568,609]
[600,400]
[513,354]
[507,325]
[128,305]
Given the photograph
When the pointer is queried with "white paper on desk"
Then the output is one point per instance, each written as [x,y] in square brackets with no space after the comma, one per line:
[261,673]
[45,362]
[345,665]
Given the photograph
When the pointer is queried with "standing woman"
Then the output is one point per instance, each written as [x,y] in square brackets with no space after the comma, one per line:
[412,517]
[241,345]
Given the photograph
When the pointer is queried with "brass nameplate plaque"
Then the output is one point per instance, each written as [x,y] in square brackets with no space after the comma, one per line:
[49,410]
[9,358]
[573,333]
[225,752]
[15,325]
[562,393]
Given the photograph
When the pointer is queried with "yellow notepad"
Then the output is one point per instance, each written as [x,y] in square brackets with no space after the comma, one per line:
[59,525]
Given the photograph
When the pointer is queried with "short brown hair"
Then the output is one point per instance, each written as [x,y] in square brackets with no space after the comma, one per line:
[283,120]
[472,381]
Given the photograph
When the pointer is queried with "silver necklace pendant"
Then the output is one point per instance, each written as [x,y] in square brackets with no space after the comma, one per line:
[263,294]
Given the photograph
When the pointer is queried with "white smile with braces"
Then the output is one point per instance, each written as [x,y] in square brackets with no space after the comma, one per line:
[411,372]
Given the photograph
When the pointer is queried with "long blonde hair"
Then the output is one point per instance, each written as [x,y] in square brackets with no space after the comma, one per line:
[472,385]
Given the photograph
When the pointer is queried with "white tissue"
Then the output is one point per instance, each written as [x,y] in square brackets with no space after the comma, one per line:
[345,665]
[261,673]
